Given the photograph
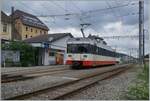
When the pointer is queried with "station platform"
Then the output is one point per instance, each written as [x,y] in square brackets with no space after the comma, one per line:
[13,69]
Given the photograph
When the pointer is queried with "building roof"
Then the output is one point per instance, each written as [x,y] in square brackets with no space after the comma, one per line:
[29,19]
[5,18]
[47,37]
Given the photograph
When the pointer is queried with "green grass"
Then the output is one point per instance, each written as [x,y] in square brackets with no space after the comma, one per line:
[140,91]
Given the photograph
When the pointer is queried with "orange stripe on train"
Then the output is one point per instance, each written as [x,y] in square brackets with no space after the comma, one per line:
[92,63]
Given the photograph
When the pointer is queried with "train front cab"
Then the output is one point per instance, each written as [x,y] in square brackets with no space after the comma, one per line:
[78,54]
[86,56]
[79,61]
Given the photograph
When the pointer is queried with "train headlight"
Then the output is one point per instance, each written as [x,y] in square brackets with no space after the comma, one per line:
[85,56]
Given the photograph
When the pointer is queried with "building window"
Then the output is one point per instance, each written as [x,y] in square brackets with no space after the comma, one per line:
[31,29]
[4,27]
[26,28]
[44,32]
[40,32]
[31,36]
[35,31]
[51,54]
[26,36]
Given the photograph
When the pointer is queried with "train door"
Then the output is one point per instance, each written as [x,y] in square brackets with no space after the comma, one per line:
[59,58]
[40,57]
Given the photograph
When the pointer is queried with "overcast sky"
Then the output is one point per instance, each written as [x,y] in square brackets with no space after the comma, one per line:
[122,19]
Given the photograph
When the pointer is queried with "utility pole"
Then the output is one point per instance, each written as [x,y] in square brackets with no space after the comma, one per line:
[141,34]
[12,23]
[130,56]
[143,31]
[143,42]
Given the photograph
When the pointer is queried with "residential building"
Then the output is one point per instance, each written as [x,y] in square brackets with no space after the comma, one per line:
[5,26]
[52,48]
[27,25]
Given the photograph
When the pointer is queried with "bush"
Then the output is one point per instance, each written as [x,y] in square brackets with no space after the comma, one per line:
[10,64]
[140,91]
[27,52]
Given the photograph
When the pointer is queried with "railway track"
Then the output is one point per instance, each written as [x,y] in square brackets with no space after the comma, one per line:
[6,78]
[35,70]
[60,91]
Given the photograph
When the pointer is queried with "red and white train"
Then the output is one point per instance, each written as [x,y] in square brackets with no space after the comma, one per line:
[89,52]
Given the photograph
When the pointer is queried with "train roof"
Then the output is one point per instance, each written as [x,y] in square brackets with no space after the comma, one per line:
[95,37]
[79,39]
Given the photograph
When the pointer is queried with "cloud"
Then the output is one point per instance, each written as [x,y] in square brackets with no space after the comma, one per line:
[109,22]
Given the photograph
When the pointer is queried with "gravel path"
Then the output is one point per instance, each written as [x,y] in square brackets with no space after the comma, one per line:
[110,89]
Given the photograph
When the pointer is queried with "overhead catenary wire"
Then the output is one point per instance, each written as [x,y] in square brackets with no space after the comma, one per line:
[64,9]
[81,12]
[67,14]
[85,12]
[119,11]
[120,37]
[82,16]
[59,6]
[96,20]
[29,7]
[114,12]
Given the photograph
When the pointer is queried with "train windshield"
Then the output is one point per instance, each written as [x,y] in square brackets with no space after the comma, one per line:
[78,48]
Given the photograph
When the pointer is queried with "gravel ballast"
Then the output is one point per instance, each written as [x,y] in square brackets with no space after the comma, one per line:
[22,87]
[110,89]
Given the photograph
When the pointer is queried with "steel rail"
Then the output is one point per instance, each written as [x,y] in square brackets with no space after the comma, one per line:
[36,69]
[85,83]
[31,75]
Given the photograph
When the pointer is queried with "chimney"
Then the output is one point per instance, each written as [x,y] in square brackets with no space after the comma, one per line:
[12,23]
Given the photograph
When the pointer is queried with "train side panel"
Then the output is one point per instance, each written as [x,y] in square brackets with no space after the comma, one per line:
[90,60]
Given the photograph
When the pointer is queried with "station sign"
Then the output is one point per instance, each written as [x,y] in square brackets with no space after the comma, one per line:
[46,45]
